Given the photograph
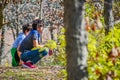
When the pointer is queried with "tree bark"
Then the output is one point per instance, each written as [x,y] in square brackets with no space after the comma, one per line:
[1,15]
[17,26]
[2,45]
[108,15]
[76,38]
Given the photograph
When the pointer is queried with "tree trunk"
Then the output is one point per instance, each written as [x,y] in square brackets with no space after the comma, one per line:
[76,38]
[40,9]
[2,45]
[13,33]
[108,15]
[17,26]
[41,15]
[1,15]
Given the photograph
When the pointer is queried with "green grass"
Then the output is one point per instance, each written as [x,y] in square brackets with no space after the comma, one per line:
[42,73]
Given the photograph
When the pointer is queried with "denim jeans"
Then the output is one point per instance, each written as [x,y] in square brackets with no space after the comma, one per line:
[34,56]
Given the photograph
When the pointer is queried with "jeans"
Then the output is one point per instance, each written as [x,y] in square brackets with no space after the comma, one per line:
[34,56]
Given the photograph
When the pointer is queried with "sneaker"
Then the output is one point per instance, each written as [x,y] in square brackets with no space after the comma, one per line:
[28,65]
[50,52]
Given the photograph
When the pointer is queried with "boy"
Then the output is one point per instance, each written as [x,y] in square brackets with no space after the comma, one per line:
[29,56]
[15,56]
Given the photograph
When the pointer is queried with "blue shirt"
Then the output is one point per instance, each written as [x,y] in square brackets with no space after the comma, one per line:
[27,43]
[18,40]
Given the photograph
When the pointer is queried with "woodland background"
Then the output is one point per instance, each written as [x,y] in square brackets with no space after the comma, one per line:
[102,44]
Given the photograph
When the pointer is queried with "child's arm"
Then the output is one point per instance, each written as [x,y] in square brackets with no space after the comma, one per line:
[19,53]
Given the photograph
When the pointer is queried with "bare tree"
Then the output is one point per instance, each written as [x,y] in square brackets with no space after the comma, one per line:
[76,39]
[1,15]
[2,45]
[108,15]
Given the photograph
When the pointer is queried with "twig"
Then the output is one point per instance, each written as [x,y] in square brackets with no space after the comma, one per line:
[117,21]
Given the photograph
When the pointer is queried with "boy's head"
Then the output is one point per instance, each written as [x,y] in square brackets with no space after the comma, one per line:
[26,28]
[37,23]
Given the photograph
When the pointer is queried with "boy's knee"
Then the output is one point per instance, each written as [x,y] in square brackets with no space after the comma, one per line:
[44,53]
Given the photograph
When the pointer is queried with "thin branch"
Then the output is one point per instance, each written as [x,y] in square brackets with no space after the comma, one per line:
[8,44]
[6,23]
[117,21]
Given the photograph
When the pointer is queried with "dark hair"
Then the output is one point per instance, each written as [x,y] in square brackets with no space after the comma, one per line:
[26,27]
[36,22]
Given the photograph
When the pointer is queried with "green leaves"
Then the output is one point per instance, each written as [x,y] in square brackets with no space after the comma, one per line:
[99,47]
[51,44]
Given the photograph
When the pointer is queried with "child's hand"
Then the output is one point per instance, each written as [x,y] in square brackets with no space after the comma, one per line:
[41,45]
[50,52]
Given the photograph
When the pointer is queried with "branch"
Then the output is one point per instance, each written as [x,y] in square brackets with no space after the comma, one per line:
[8,44]
[6,23]
[117,21]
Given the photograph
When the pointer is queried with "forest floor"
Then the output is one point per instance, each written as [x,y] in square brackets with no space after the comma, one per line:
[41,73]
